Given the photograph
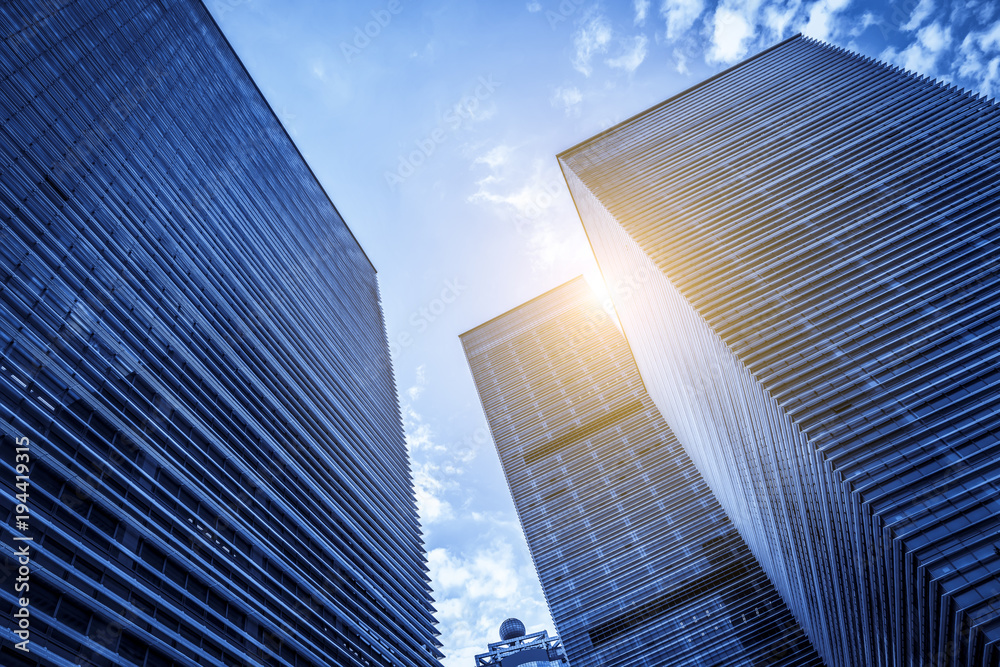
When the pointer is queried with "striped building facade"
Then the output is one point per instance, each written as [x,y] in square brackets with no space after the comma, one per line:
[193,352]
[804,253]
[638,562]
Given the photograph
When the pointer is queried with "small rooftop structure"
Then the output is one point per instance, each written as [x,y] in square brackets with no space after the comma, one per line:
[517,649]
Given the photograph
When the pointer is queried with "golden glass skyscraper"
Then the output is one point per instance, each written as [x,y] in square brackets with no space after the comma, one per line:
[639,564]
[818,321]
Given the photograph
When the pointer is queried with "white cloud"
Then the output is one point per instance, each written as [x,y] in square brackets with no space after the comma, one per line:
[778,19]
[476,590]
[984,13]
[824,19]
[535,200]
[418,433]
[593,38]
[922,55]
[979,59]
[537,190]
[990,83]
[528,200]
[971,63]
[862,23]
[534,7]
[487,573]
[472,110]
[990,39]
[417,389]
[731,32]
[430,480]
[681,62]
[920,14]
[429,489]
[632,56]
[494,157]
[935,38]
[436,469]
[569,98]
[680,15]
[641,9]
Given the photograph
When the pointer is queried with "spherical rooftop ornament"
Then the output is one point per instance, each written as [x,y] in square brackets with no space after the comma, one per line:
[511,629]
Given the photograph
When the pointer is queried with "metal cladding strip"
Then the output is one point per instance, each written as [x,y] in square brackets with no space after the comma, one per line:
[823,233]
[192,339]
[638,562]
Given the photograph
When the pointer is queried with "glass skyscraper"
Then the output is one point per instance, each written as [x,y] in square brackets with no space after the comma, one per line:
[638,561]
[193,356]
[803,253]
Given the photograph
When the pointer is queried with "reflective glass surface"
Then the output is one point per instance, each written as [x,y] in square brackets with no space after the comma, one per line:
[192,341]
[638,561]
[803,252]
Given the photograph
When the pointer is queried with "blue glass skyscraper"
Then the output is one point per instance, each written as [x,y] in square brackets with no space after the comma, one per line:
[638,561]
[193,352]
[818,323]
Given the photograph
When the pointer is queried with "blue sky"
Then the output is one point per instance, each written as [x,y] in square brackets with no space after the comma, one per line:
[434,126]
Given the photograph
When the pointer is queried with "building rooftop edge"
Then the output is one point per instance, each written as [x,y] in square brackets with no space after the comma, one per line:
[521,305]
[298,152]
[565,153]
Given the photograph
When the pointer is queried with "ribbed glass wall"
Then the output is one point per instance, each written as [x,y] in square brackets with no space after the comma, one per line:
[811,242]
[191,340]
[638,561]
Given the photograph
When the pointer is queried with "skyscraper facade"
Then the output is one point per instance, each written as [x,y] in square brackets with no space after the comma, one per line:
[638,562]
[195,384]
[803,253]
